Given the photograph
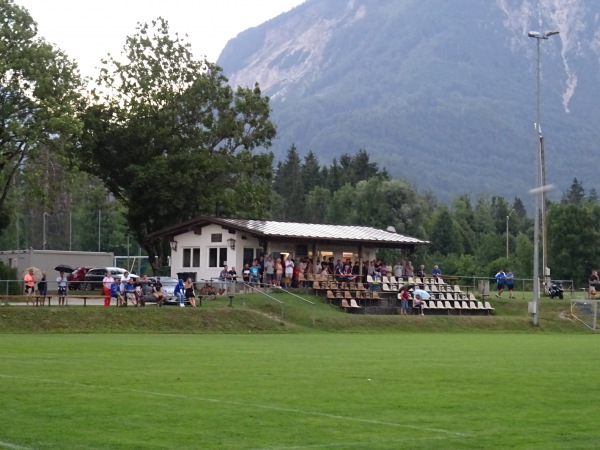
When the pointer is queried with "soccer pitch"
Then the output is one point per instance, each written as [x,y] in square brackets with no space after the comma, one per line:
[317,391]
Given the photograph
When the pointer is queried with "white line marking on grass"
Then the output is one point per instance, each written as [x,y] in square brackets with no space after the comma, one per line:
[249,405]
[358,444]
[13,446]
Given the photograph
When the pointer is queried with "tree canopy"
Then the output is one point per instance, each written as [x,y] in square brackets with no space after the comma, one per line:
[172,140]
[39,92]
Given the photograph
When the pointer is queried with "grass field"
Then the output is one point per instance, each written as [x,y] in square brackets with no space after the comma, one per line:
[299,391]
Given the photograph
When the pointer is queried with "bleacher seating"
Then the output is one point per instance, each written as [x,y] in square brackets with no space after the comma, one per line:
[384,292]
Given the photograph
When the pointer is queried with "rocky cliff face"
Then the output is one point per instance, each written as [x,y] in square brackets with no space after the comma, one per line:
[422,77]
[578,25]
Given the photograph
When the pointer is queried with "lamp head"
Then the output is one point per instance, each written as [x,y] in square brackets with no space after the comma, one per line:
[534,34]
[549,33]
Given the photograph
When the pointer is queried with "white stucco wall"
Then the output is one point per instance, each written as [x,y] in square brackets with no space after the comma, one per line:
[203,242]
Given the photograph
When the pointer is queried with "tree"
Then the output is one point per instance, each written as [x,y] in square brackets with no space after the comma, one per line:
[311,173]
[444,235]
[289,184]
[39,93]
[574,239]
[576,194]
[172,140]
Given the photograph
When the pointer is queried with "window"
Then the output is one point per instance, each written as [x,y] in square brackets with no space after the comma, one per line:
[191,257]
[248,255]
[217,257]
[216,237]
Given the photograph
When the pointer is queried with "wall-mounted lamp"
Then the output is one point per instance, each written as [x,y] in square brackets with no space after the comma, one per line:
[173,244]
[231,243]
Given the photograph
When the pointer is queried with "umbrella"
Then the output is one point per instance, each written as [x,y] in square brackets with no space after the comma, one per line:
[37,273]
[424,294]
[64,268]
[406,287]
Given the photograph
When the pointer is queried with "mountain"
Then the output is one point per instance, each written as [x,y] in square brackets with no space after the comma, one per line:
[438,92]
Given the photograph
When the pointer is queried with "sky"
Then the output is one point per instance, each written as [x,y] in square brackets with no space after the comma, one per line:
[88,30]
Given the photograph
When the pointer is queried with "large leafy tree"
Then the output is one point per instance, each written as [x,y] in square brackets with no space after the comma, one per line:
[39,92]
[172,140]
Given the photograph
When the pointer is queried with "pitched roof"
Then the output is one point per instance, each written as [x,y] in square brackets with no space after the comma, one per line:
[295,230]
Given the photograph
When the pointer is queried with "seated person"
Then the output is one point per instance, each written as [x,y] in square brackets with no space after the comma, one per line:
[115,291]
[129,293]
[139,296]
[436,272]
[418,304]
[180,292]
[157,292]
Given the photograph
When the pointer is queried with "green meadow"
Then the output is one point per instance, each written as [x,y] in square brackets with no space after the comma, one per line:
[292,374]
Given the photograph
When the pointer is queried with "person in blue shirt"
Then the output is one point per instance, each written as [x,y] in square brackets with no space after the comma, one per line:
[180,292]
[254,273]
[129,292]
[115,291]
[500,279]
[436,272]
[510,283]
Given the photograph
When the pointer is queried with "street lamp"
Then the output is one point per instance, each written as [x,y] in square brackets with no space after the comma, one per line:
[539,143]
[540,189]
[508,217]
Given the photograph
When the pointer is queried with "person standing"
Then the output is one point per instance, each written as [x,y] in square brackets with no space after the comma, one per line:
[510,283]
[289,271]
[43,289]
[500,279]
[190,295]
[404,302]
[254,274]
[246,278]
[436,273]
[224,278]
[278,272]
[409,270]
[124,280]
[61,281]
[29,280]
[398,271]
[107,282]
[269,271]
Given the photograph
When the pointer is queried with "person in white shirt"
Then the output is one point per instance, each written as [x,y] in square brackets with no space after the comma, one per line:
[61,281]
[289,270]
[106,283]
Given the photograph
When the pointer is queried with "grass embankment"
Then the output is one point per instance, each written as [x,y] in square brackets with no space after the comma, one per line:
[258,314]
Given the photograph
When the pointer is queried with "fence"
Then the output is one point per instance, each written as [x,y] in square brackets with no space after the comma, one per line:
[586,311]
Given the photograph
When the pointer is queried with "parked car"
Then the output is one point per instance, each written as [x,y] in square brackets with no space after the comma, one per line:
[93,279]
[77,278]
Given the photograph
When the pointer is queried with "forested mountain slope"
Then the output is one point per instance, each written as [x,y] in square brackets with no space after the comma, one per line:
[439,92]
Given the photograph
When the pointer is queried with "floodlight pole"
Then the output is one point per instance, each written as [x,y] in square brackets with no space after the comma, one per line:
[508,217]
[540,181]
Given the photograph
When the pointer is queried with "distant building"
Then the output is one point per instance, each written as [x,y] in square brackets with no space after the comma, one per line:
[201,247]
[47,260]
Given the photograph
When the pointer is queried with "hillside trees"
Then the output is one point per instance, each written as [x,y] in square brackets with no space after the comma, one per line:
[574,234]
[39,93]
[171,140]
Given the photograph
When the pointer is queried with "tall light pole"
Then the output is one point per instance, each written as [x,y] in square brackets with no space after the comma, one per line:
[508,217]
[44,230]
[539,190]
